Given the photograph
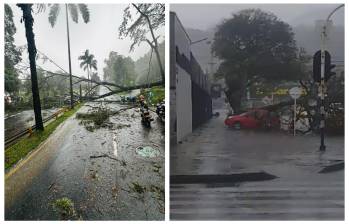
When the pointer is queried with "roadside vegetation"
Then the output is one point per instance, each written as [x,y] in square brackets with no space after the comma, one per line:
[158,94]
[19,150]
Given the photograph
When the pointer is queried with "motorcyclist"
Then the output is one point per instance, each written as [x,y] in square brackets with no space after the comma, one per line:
[143,103]
[146,118]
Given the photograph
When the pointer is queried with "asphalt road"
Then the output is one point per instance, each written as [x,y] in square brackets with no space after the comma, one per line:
[104,173]
[299,192]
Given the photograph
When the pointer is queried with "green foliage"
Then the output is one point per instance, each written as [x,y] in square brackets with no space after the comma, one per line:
[11,80]
[12,53]
[119,69]
[65,207]
[98,117]
[147,16]
[20,149]
[158,93]
[142,66]
[255,45]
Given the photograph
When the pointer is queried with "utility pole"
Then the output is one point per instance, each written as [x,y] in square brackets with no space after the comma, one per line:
[70,75]
[322,82]
[28,22]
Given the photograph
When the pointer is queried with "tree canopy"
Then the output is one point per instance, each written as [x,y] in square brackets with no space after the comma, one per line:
[254,44]
[12,53]
[138,28]
[119,69]
[142,66]
[88,61]
[149,18]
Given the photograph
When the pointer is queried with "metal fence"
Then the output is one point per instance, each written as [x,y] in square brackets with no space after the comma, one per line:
[12,139]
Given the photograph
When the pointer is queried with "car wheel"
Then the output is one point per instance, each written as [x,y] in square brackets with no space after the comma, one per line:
[237,126]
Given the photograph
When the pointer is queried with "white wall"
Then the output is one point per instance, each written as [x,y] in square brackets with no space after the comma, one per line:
[183,104]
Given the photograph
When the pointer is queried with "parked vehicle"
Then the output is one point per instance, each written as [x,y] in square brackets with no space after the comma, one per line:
[160,111]
[128,99]
[253,119]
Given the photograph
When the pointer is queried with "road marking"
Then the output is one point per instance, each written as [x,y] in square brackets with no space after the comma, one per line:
[115,146]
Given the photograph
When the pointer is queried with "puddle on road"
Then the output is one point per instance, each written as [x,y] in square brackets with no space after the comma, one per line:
[148,151]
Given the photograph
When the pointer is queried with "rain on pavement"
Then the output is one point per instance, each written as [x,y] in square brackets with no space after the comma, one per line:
[102,171]
[299,192]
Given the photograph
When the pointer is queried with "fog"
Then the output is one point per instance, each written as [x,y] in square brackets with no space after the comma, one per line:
[294,14]
[302,18]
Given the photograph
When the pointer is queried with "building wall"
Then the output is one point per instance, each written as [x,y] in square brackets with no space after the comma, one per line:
[173,82]
[186,109]
[184,104]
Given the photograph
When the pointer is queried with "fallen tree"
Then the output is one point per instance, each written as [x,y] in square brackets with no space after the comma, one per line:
[159,83]
[106,84]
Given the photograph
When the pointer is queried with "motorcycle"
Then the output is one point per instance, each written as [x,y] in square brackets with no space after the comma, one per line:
[146,117]
[160,111]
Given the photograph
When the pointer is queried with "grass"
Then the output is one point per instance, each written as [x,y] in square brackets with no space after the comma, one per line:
[21,148]
[65,207]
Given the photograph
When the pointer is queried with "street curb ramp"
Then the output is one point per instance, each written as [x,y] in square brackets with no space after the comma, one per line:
[221,178]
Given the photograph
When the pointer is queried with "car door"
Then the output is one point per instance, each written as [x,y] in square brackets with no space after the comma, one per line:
[250,120]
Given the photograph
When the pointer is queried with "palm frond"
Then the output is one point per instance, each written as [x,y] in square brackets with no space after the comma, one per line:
[82,64]
[73,9]
[54,11]
[82,58]
[85,13]
[94,64]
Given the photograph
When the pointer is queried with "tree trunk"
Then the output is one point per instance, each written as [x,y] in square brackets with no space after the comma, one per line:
[70,78]
[28,22]
[155,46]
[156,49]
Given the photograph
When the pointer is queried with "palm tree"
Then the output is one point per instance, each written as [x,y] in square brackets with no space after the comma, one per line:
[74,10]
[88,62]
[28,23]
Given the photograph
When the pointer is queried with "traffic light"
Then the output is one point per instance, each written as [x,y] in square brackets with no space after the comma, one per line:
[317,66]
[329,73]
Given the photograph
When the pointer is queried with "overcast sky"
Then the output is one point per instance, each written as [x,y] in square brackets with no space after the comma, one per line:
[191,15]
[100,36]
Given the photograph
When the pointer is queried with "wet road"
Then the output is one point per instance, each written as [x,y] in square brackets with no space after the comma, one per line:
[102,172]
[299,192]
[18,121]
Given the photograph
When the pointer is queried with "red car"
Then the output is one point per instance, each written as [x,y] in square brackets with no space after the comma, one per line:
[256,118]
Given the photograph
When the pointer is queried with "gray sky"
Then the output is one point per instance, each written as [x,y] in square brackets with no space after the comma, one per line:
[294,14]
[100,36]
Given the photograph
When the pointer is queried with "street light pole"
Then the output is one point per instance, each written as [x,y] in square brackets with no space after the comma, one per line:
[322,88]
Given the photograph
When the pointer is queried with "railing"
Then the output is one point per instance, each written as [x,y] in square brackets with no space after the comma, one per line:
[12,139]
